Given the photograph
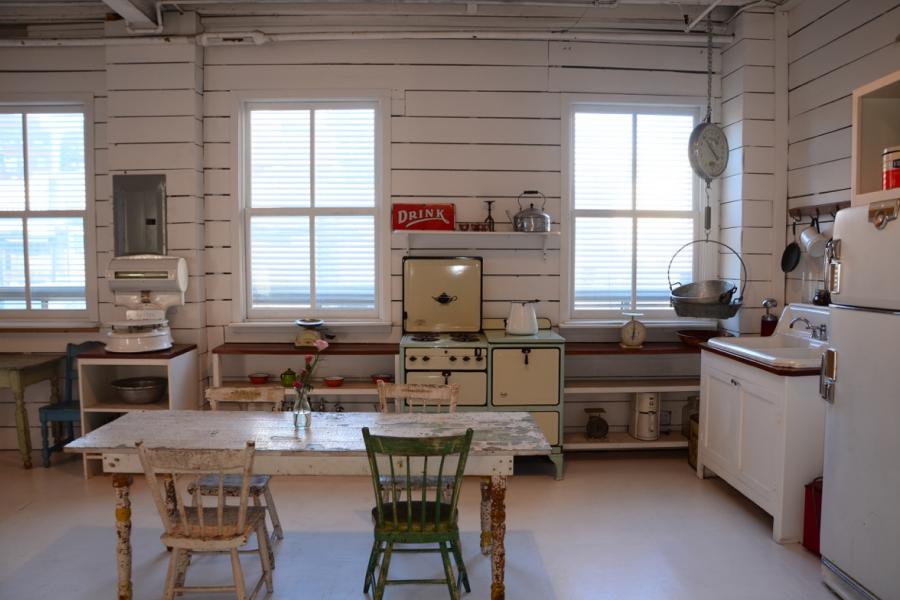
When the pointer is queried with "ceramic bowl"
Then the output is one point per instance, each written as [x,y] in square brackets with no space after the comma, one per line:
[259,378]
[382,377]
[336,381]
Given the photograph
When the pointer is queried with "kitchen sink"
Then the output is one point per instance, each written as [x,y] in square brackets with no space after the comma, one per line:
[780,350]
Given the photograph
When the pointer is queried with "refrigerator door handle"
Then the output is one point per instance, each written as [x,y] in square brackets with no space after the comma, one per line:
[828,375]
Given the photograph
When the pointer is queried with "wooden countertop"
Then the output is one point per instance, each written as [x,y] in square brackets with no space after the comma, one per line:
[582,348]
[781,371]
[334,349]
[175,350]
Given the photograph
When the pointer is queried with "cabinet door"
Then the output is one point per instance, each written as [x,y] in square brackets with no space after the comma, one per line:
[760,449]
[720,413]
[472,384]
[525,376]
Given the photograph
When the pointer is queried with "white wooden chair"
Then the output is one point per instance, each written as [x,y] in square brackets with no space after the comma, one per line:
[246,398]
[197,528]
[411,398]
[414,397]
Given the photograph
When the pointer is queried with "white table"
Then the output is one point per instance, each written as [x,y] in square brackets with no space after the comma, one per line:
[332,446]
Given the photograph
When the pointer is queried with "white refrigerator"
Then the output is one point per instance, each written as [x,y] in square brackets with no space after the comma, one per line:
[860,535]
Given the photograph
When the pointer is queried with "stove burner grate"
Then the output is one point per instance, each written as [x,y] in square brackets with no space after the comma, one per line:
[463,337]
[425,337]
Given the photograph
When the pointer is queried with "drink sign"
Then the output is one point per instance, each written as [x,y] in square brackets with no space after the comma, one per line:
[424,216]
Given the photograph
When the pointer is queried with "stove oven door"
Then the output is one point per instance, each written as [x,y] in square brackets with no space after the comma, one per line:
[472,384]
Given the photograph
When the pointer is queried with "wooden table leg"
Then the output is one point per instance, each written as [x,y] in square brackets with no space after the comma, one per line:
[485,515]
[22,428]
[121,486]
[498,532]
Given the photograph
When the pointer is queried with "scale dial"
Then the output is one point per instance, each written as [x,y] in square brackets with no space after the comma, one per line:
[708,150]
[633,333]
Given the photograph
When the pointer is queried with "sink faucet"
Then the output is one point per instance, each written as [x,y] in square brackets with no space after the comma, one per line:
[819,332]
[795,320]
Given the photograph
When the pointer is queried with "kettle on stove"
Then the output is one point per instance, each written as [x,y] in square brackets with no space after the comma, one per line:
[522,319]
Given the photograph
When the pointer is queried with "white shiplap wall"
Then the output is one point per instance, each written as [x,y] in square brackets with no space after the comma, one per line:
[834,46]
[749,182]
[471,120]
[52,73]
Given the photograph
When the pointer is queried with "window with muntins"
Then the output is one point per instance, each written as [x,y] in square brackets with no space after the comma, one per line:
[311,205]
[634,204]
[43,203]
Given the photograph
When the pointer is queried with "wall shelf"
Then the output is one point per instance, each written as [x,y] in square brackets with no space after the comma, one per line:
[621,440]
[617,386]
[524,240]
[876,126]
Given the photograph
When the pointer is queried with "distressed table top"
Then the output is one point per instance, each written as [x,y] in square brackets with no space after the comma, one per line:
[18,361]
[339,434]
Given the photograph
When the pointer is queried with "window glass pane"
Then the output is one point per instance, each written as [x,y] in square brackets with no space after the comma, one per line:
[664,176]
[12,178]
[279,158]
[602,263]
[345,157]
[56,263]
[602,165]
[279,262]
[56,161]
[657,242]
[345,262]
[12,265]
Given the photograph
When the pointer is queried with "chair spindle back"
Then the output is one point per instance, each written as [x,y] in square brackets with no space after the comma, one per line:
[418,398]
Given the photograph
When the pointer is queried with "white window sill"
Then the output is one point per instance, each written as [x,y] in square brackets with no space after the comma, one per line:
[651,324]
[270,326]
[48,324]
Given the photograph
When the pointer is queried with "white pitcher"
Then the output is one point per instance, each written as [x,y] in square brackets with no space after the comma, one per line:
[522,319]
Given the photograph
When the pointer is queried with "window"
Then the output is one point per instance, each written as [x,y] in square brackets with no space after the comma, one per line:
[312,203]
[633,200]
[43,217]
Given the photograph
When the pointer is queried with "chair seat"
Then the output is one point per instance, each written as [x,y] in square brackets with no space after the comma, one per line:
[232,537]
[417,482]
[59,408]
[209,485]
[446,524]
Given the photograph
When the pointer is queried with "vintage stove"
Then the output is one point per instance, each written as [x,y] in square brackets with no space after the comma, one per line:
[442,341]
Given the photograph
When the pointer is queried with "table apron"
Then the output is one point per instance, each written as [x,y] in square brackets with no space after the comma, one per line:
[309,464]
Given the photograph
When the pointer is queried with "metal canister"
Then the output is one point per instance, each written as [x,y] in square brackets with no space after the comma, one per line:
[891,168]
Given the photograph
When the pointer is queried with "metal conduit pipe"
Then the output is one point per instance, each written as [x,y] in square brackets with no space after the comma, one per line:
[259,38]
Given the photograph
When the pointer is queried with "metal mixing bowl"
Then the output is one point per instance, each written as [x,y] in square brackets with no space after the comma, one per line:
[140,390]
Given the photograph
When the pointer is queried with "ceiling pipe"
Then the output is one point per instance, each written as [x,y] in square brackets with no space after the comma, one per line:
[110,41]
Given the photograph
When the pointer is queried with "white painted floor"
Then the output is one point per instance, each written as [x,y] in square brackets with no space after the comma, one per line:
[620,526]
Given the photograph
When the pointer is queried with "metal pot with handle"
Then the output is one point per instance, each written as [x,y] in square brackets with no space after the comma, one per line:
[530,219]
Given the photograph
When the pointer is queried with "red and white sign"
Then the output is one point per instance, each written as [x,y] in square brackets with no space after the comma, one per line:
[424,216]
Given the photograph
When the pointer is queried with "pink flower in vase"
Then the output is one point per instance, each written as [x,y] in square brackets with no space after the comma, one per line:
[320,345]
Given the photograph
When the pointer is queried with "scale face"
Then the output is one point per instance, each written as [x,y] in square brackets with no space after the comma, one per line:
[633,333]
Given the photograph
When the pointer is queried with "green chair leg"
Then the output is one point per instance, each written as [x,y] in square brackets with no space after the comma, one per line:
[382,575]
[460,565]
[370,570]
[448,571]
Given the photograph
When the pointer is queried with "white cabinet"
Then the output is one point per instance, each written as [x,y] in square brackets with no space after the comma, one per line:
[97,369]
[763,434]
[525,376]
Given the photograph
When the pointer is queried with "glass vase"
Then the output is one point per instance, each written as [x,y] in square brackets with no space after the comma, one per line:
[302,412]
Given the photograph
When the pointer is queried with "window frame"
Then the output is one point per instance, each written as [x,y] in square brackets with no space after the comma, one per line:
[242,311]
[61,103]
[703,260]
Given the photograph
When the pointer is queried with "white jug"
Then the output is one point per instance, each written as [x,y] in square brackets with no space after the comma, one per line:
[522,319]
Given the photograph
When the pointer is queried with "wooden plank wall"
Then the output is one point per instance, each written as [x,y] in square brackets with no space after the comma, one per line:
[834,46]
[748,184]
[472,120]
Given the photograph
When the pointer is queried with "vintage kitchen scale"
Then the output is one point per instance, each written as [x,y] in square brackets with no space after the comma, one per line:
[147,285]
[708,154]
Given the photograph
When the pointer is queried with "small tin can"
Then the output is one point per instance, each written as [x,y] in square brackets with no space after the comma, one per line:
[891,172]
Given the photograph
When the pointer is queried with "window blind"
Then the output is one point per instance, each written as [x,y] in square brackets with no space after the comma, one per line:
[633,199]
[311,208]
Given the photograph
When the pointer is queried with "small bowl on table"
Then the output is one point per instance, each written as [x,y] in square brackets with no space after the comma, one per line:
[259,378]
[382,377]
[334,381]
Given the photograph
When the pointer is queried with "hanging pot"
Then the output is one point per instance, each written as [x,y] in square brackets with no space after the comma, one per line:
[790,258]
[522,319]
[709,299]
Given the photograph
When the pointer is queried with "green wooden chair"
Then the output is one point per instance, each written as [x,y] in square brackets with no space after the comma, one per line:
[416,516]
